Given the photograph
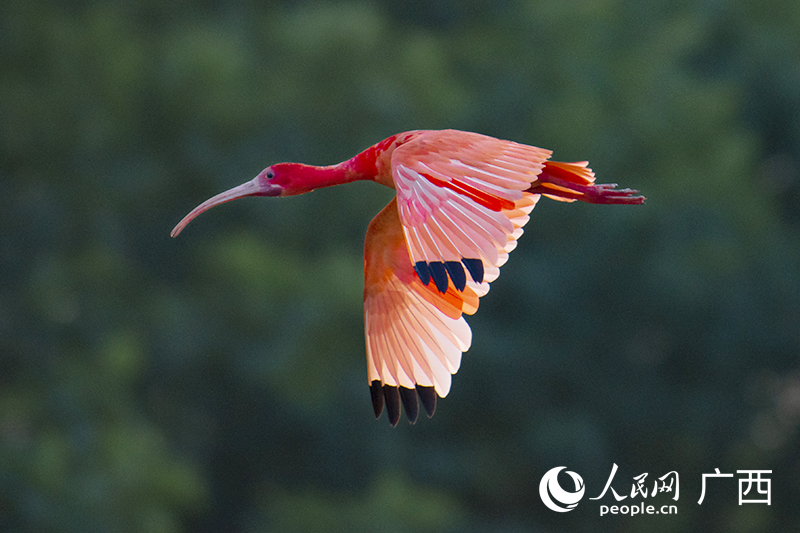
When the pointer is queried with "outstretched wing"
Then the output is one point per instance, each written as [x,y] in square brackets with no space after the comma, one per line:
[461,204]
[414,334]
[430,254]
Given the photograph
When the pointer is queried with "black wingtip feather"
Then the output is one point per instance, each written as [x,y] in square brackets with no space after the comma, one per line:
[475,267]
[457,274]
[423,272]
[410,404]
[376,391]
[427,396]
[392,397]
[439,275]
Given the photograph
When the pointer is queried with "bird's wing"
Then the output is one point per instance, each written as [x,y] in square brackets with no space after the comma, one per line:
[461,203]
[414,334]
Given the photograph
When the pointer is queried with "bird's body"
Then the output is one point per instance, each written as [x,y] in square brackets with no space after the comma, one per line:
[462,201]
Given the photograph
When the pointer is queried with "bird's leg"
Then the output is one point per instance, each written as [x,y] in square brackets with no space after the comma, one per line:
[574,181]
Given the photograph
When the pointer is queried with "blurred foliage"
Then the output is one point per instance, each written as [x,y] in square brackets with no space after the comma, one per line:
[216,382]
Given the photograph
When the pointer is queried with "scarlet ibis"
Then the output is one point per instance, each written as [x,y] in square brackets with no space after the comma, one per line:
[461,203]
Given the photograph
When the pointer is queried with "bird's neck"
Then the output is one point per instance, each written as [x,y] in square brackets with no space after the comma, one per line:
[309,177]
[373,164]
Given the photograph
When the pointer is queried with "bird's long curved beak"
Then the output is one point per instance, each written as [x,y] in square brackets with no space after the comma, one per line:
[255,187]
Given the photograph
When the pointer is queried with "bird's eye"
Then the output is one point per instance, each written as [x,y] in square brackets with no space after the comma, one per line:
[270,174]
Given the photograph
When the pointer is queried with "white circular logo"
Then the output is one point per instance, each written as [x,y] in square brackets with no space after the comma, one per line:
[557,498]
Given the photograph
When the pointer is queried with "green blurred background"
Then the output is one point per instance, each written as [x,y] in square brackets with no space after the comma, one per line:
[217,382]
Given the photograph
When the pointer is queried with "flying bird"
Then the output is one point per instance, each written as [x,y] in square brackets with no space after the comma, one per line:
[461,202]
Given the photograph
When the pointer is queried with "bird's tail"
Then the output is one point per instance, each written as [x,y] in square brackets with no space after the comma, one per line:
[568,182]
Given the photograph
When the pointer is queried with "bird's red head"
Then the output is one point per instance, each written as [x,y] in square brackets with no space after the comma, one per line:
[291,178]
